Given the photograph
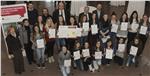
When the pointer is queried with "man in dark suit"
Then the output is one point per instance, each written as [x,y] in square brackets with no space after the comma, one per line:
[61,11]
[99,13]
[87,13]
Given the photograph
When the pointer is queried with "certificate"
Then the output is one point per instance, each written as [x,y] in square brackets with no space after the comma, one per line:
[109,53]
[124,26]
[121,47]
[85,26]
[105,39]
[62,31]
[67,63]
[143,30]
[94,29]
[114,28]
[78,32]
[133,50]
[40,43]
[76,55]
[98,55]
[134,26]
[85,52]
[52,33]
[72,32]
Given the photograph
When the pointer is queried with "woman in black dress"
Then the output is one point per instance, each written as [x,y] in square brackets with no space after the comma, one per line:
[14,48]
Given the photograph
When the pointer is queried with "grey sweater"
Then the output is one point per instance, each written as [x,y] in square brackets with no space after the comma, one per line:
[62,57]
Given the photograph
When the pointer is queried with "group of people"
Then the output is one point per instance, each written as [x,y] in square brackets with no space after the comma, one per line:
[124,46]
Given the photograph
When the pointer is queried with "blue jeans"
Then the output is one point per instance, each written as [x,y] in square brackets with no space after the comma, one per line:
[64,70]
[78,63]
[83,39]
[97,63]
[129,61]
[60,41]
[40,55]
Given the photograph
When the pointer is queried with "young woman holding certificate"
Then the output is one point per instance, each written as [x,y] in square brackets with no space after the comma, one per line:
[109,52]
[135,52]
[97,55]
[86,58]
[76,53]
[144,30]
[104,29]
[39,44]
[50,40]
[64,60]
[133,28]
[123,27]
[93,33]
[84,36]
[60,41]
[71,41]
[120,53]
[114,29]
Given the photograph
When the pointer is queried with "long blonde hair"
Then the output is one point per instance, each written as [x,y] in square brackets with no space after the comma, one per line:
[49,23]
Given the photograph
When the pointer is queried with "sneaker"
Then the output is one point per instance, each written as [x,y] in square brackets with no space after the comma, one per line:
[49,60]
[52,59]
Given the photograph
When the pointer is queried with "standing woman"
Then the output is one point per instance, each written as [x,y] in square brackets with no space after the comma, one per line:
[84,36]
[123,19]
[60,41]
[49,41]
[37,35]
[93,37]
[14,49]
[132,31]
[113,34]
[71,41]
[40,23]
[25,33]
[104,29]
[144,23]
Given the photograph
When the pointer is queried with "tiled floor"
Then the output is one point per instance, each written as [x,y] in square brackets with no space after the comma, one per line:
[52,69]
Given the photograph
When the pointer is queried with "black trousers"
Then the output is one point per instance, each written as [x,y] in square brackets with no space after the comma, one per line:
[50,48]
[29,52]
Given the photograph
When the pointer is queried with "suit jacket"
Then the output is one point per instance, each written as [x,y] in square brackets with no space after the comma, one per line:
[56,15]
[81,14]
[98,19]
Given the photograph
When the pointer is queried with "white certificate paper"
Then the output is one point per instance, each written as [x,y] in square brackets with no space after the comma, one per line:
[40,43]
[98,55]
[94,29]
[62,32]
[78,32]
[85,26]
[124,26]
[143,30]
[114,28]
[133,50]
[109,53]
[85,52]
[76,55]
[121,47]
[67,63]
[52,33]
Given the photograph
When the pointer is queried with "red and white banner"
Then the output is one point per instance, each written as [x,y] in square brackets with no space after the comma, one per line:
[13,13]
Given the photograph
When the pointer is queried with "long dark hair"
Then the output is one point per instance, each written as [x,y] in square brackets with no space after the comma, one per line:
[121,19]
[131,17]
[147,22]
[75,22]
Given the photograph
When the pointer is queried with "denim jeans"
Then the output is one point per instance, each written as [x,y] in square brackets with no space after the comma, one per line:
[83,39]
[40,55]
[65,70]
[78,63]
[129,60]
[60,41]
[97,63]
